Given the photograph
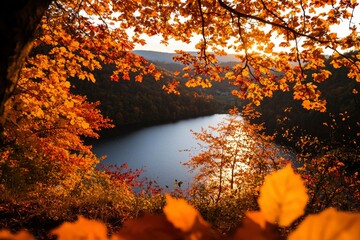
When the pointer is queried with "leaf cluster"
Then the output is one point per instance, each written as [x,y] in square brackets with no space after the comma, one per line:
[282,200]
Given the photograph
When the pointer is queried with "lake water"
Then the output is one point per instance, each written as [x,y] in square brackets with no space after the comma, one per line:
[157,149]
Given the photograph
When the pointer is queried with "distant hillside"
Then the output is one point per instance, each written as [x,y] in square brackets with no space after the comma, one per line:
[141,104]
[339,125]
[168,57]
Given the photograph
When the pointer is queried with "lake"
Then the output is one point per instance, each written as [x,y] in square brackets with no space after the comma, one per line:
[157,149]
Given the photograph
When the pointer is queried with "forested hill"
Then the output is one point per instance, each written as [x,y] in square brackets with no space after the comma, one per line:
[131,102]
[146,103]
[165,57]
[339,125]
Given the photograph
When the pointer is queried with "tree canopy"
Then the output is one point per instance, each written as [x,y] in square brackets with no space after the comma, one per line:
[276,42]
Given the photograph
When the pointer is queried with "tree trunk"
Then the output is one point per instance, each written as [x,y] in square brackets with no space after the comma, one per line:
[18,22]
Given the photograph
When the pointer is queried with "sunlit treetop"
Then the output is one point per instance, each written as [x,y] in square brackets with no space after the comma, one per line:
[276,42]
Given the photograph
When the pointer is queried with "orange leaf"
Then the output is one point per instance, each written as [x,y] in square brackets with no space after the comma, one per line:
[283,197]
[329,224]
[180,213]
[22,235]
[257,217]
[138,78]
[81,229]
[255,227]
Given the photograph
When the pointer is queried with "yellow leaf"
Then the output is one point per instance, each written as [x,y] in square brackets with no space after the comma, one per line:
[283,197]
[92,78]
[180,213]
[47,39]
[69,104]
[81,229]
[330,224]
[306,104]
[38,113]
[269,48]
[187,68]
[157,75]
[230,75]
[85,125]
[73,46]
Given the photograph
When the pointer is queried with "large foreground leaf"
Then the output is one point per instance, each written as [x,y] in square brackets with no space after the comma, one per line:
[283,197]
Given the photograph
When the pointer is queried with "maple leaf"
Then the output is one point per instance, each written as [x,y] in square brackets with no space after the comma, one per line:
[330,224]
[283,197]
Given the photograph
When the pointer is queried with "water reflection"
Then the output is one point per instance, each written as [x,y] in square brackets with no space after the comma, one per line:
[156,149]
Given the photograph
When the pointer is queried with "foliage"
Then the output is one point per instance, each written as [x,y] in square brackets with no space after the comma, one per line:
[278,45]
[334,224]
[230,164]
[275,42]
[283,197]
[42,137]
[338,126]
[223,192]
[130,103]
[80,36]
[182,221]
[331,176]
[233,160]
[302,31]
[99,197]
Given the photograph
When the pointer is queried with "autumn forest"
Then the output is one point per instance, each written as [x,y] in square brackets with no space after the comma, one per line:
[283,164]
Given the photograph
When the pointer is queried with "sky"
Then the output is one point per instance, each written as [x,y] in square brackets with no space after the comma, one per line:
[153,43]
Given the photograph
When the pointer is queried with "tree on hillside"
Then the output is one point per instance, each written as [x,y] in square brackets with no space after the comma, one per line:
[19,21]
[234,158]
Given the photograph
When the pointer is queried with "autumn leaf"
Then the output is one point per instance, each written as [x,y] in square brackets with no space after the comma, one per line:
[306,104]
[180,213]
[283,197]
[138,78]
[255,227]
[269,48]
[157,75]
[330,224]
[148,227]
[81,229]
[172,87]
[257,217]
[186,218]
[22,235]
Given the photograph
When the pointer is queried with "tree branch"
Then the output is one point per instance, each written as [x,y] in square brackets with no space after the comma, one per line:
[259,19]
